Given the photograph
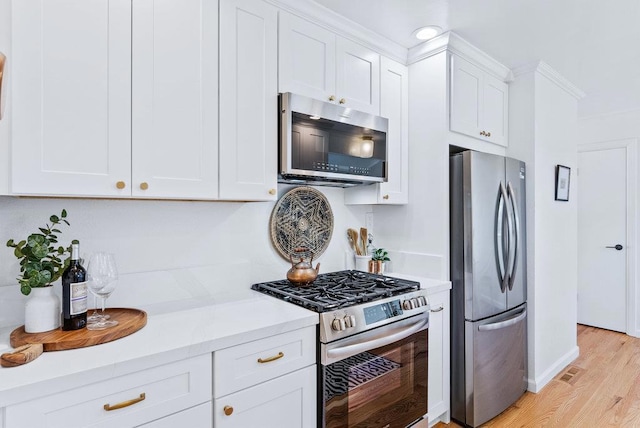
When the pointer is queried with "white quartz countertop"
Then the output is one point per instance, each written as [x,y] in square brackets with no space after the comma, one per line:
[174,331]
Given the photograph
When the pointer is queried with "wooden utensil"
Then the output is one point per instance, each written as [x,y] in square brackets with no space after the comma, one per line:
[353,237]
[363,238]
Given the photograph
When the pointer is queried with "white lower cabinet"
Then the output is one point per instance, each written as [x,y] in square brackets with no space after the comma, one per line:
[126,401]
[266,383]
[439,364]
[195,417]
[287,401]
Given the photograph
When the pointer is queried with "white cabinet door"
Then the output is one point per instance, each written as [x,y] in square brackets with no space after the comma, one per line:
[71,71]
[307,58]
[479,103]
[248,100]
[175,99]
[439,370]
[319,64]
[288,401]
[195,417]
[394,105]
[358,77]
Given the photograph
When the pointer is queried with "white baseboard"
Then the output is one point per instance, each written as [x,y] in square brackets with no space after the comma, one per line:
[535,385]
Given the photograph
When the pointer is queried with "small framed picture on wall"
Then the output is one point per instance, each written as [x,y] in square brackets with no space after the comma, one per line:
[563,175]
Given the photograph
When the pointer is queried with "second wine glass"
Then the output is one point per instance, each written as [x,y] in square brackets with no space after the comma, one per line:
[102,279]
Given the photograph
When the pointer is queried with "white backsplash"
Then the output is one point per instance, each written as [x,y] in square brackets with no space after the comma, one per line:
[166,250]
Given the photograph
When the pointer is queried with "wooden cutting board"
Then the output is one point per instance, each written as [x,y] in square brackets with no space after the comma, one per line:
[129,321]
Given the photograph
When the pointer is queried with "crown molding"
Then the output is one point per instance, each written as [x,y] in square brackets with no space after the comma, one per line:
[547,71]
[455,44]
[338,24]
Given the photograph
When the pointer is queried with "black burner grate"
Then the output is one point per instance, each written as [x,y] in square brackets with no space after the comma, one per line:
[336,290]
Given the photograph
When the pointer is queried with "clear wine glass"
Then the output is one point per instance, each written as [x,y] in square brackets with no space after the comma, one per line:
[102,280]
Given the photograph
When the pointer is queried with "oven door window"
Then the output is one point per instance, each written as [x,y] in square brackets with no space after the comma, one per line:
[382,387]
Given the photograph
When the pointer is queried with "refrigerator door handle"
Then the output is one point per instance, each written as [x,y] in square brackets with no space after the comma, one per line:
[499,241]
[505,323]
[516,241]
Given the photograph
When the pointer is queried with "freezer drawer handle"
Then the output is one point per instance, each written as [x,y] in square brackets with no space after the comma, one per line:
[503,324]
[357,348]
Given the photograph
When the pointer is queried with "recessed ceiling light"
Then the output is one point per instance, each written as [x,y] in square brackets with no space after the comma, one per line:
[426,33]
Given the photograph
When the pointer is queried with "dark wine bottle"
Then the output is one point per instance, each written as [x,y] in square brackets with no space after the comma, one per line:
[74,293]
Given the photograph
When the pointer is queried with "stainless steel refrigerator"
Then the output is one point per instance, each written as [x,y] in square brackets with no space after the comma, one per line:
[489,285]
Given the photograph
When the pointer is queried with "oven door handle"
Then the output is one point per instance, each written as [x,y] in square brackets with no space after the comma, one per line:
[356,348]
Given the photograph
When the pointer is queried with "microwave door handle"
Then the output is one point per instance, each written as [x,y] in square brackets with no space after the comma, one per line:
[356,348]
[499,239]
[516,245]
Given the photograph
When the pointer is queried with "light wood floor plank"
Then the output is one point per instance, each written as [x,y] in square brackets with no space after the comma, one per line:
[602,391]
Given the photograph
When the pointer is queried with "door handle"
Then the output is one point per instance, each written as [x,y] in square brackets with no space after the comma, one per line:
[617,247]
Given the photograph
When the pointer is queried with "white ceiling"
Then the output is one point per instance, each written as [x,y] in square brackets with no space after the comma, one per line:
[595,44]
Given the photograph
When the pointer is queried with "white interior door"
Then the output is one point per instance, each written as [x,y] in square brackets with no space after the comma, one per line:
[602,224]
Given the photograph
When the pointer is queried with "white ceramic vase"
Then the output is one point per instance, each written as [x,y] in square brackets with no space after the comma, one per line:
[42,310]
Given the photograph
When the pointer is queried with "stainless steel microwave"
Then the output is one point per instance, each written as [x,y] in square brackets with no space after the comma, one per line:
[327,144]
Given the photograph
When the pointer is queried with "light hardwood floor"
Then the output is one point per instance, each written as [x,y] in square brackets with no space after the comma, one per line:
[601,388]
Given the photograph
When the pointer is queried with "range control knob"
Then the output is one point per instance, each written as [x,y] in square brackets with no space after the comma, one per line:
[349,321]
[423,301]
[407,305]
[338,324]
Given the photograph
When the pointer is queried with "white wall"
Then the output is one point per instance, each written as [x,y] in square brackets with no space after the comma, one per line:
[612,128]
[151,236]
[543,133]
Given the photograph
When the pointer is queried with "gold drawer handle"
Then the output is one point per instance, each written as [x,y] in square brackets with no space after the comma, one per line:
[268,360]
[144,185]
[109,407]
[228,410]
[120,185]
[385,197]
[272,191]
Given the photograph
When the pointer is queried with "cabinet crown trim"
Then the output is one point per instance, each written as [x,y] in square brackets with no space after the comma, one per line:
[547,71]
[343,27]
[455,44]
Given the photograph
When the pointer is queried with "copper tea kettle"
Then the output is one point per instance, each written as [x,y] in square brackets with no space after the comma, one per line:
[302,273]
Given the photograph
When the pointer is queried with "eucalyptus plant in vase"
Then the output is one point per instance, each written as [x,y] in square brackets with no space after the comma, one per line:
[41,264]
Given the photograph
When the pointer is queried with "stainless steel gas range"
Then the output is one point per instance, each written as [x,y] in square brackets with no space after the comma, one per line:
[372,359]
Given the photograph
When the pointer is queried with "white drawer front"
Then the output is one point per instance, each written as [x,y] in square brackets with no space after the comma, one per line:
[167,389]
[195,417]
[238,367]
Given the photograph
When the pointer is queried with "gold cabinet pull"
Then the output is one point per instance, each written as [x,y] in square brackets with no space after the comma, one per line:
[144,185]
[272,191]
[342,101]
[120,185]
[109,407]
[228,410]
[332,98]
[385,197]
[268,360]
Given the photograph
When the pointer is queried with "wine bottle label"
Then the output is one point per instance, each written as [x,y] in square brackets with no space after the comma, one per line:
[78,298]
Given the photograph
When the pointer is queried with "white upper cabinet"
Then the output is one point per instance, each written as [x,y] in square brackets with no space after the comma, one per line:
[317,63]
[479,103]
[115,98]
[248,100]
[175,99]
[394,105]
[71,96]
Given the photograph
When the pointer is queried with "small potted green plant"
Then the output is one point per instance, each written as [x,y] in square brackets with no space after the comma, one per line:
[41,265]
[378,258]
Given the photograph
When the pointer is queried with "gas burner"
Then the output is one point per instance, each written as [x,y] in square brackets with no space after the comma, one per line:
[336,290]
